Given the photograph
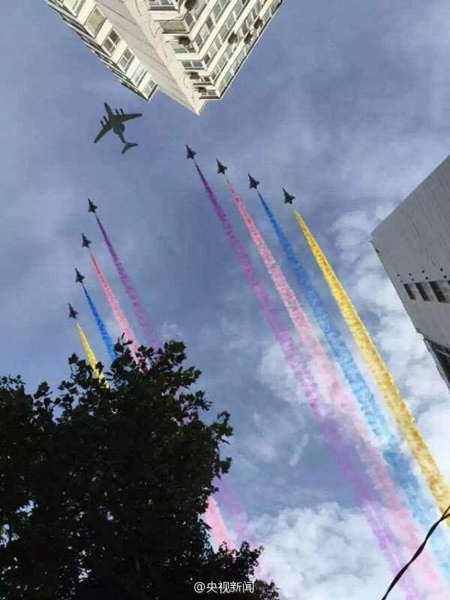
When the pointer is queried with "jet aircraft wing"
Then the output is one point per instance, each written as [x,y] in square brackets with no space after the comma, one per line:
[123,118]
[104,131]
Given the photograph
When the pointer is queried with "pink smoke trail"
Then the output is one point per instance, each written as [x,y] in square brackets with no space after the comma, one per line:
[219,531]
[122,322]
[240,519]
[304,377]
[138,306]
[213,517]
[241,523]
[406,527]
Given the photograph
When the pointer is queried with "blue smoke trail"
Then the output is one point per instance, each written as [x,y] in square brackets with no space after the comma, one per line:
[422,508]
[101,327]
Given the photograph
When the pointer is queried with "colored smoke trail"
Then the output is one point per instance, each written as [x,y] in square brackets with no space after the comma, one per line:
[384,379]
[139,308]
[219,531]
[241,523]
[399,464]
[213,516]
[101,327]
[122,322]
[304,377]
[375,466]
[235,510]
[91,356]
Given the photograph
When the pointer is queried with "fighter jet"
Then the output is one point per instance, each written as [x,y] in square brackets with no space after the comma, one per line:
[72,312]
[190,153]
[287,197]
[221,168]
[80,277]
[114,121]
[92,208]
[85,243]
[253,182]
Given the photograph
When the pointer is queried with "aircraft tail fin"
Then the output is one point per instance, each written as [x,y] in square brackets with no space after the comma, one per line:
[127,146]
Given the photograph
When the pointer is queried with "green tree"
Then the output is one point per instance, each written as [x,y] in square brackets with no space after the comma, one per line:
[102,487]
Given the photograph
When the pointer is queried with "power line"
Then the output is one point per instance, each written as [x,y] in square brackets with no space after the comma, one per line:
[400,574]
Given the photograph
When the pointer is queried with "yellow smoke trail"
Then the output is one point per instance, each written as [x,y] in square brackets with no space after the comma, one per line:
[385,382]
[91,356]
[213,516]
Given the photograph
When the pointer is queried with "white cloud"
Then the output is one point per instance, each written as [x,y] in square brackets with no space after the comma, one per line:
[275,373]
[171,331]
[278,435]
[329,552]
[337,133]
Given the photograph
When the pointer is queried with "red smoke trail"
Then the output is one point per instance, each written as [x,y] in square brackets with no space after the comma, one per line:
[139,308]
[212,517]
[243,529]
[304,377]
[241,523]
[122,322]
[420,504]
[406,527]
[219,531]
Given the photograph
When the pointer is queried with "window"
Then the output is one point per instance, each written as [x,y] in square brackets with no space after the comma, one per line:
[422,292]
[160,4]
[177,47]
[192,16]
[442,356]
[74,5]
[126,59]
[275,6]
[238,62]
[219,8]
[174,26]
[94,22]
[222,36]
[192,64]
[110,43]
[211,21]
[202,36]
[138,75]
[213,50]
[223,61]
[225,81]
[210,94]
[441,290]
[437,291]
[409,291]
[149,88]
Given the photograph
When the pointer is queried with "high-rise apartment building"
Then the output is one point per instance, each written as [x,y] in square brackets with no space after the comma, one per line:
[413,243]
[190,50]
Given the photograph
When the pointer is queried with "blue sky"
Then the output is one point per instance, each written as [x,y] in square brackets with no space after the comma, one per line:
[343,104]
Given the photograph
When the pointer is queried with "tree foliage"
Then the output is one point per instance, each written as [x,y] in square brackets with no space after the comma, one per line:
[102,487]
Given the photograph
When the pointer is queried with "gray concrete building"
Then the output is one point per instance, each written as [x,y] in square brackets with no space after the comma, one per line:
[413,243]
[190,50]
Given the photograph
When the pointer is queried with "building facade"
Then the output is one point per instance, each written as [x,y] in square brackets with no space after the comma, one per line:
[413,243]
[191,50]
